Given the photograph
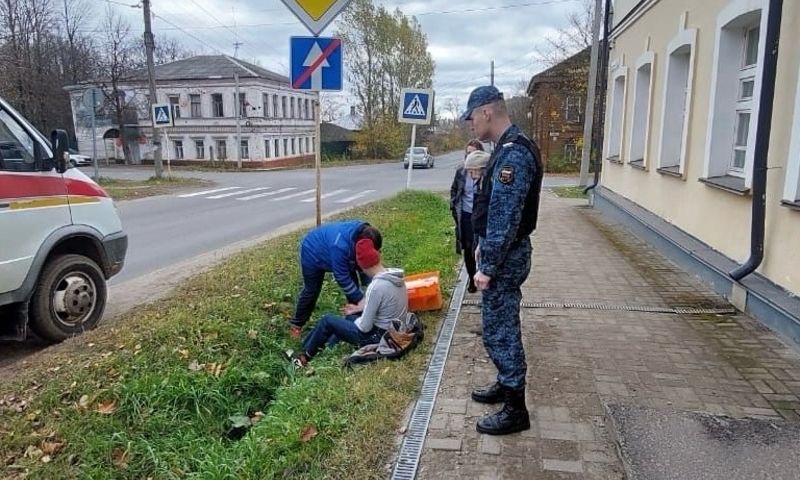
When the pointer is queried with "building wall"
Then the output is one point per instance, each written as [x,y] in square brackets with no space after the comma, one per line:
[716,217]
[256,127]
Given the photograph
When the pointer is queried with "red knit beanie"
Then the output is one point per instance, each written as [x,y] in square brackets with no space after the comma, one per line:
[366,254]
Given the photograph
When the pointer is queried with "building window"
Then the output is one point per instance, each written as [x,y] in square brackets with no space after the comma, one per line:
[265,106]
[244,150]
[294,146]
[734,92]
[222,149]
[300,145]
[242,105]
[570,152]
[266,149]
[275,106]
[197,106]
[200,148]
[640,124]
[284,110]
[572,109]
[617,117]
[285,147]
[308,147]
[218,108]
[175,103]
[314,110]
[293,112]
[313,144]
[178,149]
[308,110]
[277,147]
[677,103]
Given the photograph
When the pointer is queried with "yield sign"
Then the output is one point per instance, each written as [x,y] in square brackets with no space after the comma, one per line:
[316,14]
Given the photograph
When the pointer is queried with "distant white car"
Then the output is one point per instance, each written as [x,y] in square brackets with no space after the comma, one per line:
[78,160]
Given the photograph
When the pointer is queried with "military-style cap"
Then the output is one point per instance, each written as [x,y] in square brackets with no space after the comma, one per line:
[479,97]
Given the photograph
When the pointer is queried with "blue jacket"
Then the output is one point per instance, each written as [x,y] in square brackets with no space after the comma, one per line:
[332,248]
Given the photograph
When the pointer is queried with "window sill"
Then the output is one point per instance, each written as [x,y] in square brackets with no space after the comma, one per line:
[638,165]
[673,171]
[727,183]
[615,159]
[793,205]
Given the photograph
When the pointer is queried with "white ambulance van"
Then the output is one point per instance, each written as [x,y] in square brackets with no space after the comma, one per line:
[60,236]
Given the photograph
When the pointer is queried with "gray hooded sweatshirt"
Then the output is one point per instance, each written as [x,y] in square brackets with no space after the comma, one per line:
[386,300]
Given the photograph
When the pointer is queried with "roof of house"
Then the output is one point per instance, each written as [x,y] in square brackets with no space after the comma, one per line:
[205,67]
[558,70]
[330,132]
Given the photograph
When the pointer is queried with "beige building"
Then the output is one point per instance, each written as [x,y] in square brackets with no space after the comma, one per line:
[684,85]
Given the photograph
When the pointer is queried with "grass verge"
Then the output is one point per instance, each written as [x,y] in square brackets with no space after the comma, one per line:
[150,396]
[569,192]
[130,189]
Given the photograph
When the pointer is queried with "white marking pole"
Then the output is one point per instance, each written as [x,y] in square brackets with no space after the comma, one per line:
[411,156]
[318,159]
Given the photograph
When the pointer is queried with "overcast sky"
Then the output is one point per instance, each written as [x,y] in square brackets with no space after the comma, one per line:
[463,37]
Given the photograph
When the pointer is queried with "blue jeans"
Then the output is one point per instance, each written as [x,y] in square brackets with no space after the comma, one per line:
[332,328]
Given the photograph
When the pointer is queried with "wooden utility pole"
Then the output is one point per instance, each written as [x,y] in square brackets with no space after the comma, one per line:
[588,120]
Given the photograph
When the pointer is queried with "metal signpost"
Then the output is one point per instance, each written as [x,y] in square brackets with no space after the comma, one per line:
[316,64]
[416,108]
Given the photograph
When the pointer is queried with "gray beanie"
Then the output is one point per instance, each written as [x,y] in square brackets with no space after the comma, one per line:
[477,159]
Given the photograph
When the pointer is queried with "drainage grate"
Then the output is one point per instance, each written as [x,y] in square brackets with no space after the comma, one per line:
[411,450]
[622,308]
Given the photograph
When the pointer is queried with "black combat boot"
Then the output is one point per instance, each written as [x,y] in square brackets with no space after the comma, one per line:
[511,419]
[489,394]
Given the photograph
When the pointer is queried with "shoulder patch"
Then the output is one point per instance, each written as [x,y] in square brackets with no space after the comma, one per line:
[506,174]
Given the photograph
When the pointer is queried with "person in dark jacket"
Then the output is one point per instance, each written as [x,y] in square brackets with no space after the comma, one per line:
[332,248]
[461,196]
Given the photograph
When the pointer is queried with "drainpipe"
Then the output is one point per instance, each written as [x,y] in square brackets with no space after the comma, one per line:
[764,126]
[599,123]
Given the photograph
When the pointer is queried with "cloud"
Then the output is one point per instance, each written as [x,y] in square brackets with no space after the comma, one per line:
[463,37]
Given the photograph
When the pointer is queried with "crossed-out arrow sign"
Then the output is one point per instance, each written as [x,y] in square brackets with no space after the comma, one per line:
[316,63]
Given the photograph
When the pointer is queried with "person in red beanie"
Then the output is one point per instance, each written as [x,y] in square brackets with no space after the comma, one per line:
[386,300]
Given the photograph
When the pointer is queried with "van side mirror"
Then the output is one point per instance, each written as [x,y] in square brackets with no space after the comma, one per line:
[60,142]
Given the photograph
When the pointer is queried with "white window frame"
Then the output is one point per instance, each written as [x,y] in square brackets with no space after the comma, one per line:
[276,144]
[572,104]
[265,106]
[686,39]
[199,104]
[791,191]
[639,137]
[723,101]
[178,147]
[199,153]
[616,114]
[244,149]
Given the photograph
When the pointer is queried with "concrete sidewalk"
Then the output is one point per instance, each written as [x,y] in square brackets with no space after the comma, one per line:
[582,359]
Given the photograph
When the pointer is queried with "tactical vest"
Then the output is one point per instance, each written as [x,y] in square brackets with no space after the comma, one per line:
[530,212]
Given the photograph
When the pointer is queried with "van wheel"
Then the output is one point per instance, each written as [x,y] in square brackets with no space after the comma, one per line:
[69,299]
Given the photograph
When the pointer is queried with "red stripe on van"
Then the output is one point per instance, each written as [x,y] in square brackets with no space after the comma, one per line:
[24,186]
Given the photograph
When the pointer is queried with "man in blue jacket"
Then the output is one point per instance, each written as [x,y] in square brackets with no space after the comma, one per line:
[331,248]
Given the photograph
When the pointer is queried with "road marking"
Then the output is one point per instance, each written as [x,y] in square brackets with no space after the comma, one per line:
[325,195]
[208,192]
[238,192]
[294,195]
[268,194]
[355,197]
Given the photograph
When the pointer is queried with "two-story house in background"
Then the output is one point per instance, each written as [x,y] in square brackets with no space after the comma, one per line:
[277,123]
[691,163]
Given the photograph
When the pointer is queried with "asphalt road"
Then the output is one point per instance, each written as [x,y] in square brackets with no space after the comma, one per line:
[166,230]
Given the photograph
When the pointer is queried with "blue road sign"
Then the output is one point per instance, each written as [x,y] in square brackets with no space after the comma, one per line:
[316,63]
[162,115]
[416,106]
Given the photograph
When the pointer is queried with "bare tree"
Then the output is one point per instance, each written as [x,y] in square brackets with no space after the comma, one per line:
[569,40]
[331,107]
[453,107]
[120,58]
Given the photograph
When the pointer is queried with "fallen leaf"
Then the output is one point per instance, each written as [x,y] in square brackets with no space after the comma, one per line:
[120,458]
[47,459]
[184,353]
[236,295]
[51,448]
[308,433]
[33,452]
[90,345]
[83,402]
[256,417]
[402,430]
[252,334]
[138,346]
[107,408]
[194,366]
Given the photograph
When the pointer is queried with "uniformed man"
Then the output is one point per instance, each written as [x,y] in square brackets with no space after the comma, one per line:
[504,216]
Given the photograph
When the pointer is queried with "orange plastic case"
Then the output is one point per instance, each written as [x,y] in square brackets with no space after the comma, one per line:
[424,292]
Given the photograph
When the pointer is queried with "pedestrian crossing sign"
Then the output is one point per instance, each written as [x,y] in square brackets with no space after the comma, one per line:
[416,106]
[162,115]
